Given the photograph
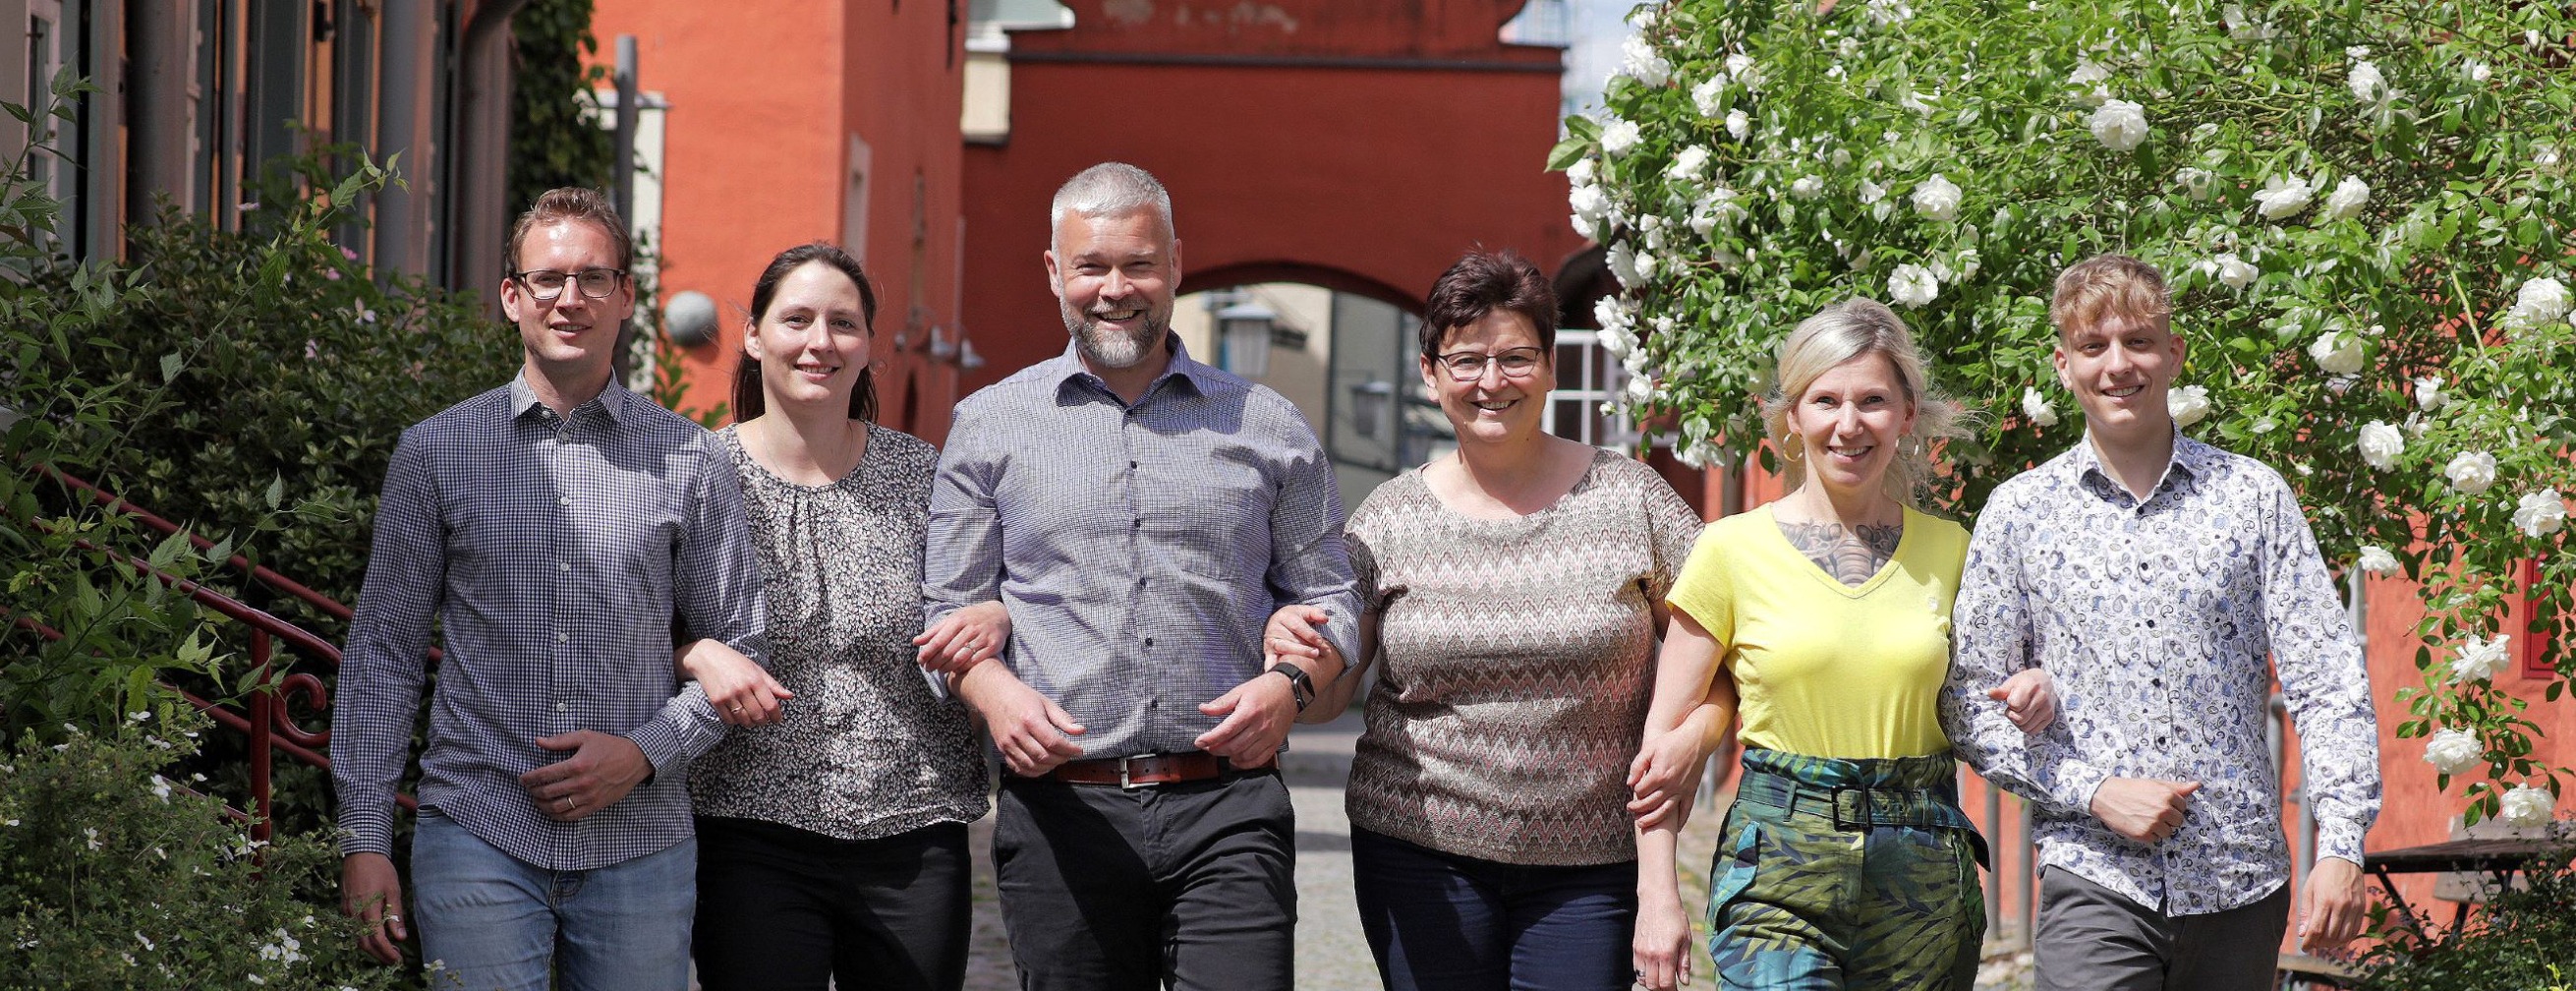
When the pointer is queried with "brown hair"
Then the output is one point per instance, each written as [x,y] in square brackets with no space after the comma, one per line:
[747,399]
[2109,285]
[569,203]
[1481,282]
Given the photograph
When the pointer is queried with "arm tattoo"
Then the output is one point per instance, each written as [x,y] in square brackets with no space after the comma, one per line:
[1850,555]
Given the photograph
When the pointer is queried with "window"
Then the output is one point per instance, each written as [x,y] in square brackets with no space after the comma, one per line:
[1587,378]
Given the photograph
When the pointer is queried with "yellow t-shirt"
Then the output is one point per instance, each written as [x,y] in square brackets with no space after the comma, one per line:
[1822,668]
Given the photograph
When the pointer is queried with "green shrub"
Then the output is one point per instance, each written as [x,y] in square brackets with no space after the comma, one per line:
[114,877]
[2522,939]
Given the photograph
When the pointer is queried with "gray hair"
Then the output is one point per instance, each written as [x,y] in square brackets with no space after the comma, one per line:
[1106,190]
[1839,333]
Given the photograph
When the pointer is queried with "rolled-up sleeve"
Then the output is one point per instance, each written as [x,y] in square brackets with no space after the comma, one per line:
[384,668]
[1309,564]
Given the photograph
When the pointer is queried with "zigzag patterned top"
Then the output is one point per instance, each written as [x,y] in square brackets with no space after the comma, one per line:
[1515,659]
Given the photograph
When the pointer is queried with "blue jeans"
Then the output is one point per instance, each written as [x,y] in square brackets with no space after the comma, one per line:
[488,920]
[1444,922]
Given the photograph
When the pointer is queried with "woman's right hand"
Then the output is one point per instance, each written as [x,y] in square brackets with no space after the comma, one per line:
[967,636]
[1662,943]
[744,693]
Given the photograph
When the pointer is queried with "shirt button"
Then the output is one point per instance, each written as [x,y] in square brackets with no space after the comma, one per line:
[1131,465]
[2151,624]
[1149,641]
[1140,583]
[1136,525]
[2160,741]
[562,636]
[2157,682]
[563,500]
[563,566]
[562,706]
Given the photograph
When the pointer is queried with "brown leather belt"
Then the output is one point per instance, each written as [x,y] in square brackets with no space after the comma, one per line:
[1143,769]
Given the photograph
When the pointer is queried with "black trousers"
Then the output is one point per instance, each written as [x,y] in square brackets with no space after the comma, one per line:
[1188,886]
[783,908]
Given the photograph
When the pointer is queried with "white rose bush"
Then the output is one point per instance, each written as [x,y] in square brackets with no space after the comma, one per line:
[2362,206]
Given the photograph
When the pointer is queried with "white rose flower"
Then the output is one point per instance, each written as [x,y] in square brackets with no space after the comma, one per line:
[2381,444]
[1740,66]
[2366,82]
[1913,285]
[1807,187]
[1584,171]
[2376,560]
[1639,390]
[2235,272]
[2452,751]
[2198,182]
[2472,472]
[2035,406]
[1738,124]
[1621,137]
[2478,72]
[2346,200]
[1871,192]
[2480,659]
[2120,125]
[1937,198]
[2541,300]
[2189,404]
[2526,807]
[2428,393]
[1589,201]
[1887,13]
[2087,72]
[2539,514]
[1639,60]
[1705,95]
[1622,260]
[1609,312]
[1689,165]
[2283,196]
[2335,354]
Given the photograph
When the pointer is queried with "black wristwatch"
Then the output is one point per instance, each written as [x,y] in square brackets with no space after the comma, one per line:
[1300,683]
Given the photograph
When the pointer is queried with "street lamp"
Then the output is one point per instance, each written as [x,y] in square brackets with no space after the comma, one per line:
[1243,338]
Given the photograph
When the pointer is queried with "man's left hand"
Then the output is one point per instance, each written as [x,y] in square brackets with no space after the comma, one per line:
[1257,715]
[602,769]
[2331,905]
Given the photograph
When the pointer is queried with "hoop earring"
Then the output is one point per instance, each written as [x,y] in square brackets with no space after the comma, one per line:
[1794,448]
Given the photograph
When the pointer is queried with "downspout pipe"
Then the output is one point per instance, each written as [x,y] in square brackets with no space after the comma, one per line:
[157,157]
[483,132]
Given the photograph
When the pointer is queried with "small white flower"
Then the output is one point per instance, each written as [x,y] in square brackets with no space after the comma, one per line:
[2539,514]
[1913,285]
[1807,187]
[2233,271]
[2541,300]
[1888,13]
[2189,404]
[2472,472]
[1738,124]
[161,789]
[2428,393]
[1937,198]
[2283,196]
[2366,82]
[1689,165]
[1623,264]
[1609,313]
[2526,807]
[2452,751]
[2381,444]
[1589,202]
[2336,354]
[1621,137]
[2544,155]
[2034,405]
[2376,560]
[2198,182]
[2088,72]
[94,843]
[2478,72]
[1639,391]
[1705,95]
[1871,192]
[1584,172]
[2346,200]
[2480,658]
[1640,61]
[1740,66]
[2120,125]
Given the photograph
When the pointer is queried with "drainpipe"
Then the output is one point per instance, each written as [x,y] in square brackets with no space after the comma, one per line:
[406,221]
[481,218]
[157,157]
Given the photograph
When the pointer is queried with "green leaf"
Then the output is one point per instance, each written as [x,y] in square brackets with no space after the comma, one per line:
[1568,152]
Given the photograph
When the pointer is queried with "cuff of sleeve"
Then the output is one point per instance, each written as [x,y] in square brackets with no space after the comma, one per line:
[2072,783]
[2340,840]
[667,744]
[367,832]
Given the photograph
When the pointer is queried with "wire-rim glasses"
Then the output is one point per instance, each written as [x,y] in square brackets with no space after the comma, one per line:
[546,284]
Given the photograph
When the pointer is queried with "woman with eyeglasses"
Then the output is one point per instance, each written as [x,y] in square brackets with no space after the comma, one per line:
[1511,591]
[832,821]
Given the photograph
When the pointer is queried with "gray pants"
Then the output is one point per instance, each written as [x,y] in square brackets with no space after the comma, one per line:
[2094,939]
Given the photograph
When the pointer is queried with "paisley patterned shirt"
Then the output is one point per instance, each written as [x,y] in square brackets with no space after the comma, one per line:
[866,750]
[2155,615]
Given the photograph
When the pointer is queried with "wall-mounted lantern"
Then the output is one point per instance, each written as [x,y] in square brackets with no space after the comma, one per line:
[1243,339]
[689,319]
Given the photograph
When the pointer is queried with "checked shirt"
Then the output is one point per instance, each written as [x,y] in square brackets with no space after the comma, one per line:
[2155,616]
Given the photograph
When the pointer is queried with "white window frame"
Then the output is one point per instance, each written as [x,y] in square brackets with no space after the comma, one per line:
[1595,378]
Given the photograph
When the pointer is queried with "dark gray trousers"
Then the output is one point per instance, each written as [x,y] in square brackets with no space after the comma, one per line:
[1187,886]
[2093,939]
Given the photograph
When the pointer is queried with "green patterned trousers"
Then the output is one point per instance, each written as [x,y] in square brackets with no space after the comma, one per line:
[1839,874]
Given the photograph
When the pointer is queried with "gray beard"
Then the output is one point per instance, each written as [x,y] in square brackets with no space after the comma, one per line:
[1110,348]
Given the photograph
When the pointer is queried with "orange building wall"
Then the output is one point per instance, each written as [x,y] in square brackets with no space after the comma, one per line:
[756,159]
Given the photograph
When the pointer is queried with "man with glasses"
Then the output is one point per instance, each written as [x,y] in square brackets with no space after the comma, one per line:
[563,533]
[1140,517]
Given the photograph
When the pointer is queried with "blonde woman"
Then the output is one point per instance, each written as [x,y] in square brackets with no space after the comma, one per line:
[1819,625]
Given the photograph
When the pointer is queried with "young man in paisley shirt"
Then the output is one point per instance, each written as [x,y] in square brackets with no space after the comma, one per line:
[2155,576]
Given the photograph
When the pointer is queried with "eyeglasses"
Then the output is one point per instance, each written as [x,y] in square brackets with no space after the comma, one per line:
[546,283]
[1468,366]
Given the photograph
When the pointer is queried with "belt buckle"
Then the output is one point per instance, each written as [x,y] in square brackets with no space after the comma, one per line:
[1125,779]
[1866,816]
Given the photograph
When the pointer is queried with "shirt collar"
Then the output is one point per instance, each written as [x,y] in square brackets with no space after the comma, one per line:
[612,401]
[2190,459]
[1188,372]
